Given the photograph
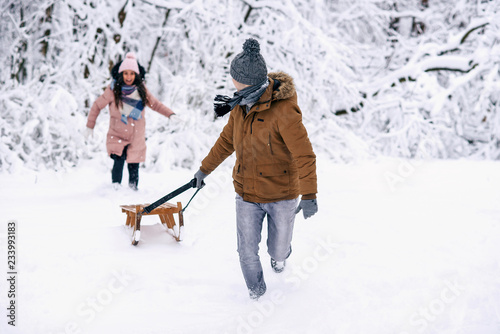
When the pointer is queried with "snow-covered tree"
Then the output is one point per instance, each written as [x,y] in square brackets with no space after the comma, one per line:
[398,78]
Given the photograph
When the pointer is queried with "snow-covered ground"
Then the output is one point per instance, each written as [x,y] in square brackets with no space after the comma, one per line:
[396,247]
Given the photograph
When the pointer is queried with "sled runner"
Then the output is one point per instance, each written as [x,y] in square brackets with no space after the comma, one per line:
[166,213]
[161,208]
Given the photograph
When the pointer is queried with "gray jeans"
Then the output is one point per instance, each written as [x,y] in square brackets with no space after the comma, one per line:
[249,219]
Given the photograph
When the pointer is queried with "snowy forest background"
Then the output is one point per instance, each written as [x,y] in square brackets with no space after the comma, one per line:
[412,79]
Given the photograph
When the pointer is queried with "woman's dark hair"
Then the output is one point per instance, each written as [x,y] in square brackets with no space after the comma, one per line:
[138,82]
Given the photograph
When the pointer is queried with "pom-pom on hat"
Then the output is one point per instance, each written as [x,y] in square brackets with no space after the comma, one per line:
[249,67]
[130,63]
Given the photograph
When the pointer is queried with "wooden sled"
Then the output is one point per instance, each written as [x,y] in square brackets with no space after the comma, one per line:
[166,213]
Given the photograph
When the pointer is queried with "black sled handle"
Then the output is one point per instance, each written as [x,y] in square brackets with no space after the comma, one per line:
[176,192]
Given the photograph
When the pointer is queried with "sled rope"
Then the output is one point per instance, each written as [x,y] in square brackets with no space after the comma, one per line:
[184,208]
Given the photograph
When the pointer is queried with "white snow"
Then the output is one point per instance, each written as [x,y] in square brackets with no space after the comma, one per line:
[137,236]
[396,247]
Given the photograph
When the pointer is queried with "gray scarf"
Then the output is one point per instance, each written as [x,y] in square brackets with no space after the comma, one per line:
[248,96]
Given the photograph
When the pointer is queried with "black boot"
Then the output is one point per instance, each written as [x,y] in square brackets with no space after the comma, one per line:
[117,171]
[278,266]
[133,175]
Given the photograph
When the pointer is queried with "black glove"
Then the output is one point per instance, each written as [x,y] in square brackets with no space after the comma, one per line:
[199,176]
[308,206]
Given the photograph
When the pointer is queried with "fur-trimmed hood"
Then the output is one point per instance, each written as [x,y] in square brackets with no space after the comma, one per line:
[286,87]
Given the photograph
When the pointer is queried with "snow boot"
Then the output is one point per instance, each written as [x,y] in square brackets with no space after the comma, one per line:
[133,173]
[257,293]
[117,171]
[278,266]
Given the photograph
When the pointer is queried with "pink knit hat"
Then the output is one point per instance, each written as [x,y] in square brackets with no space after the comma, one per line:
[130,63]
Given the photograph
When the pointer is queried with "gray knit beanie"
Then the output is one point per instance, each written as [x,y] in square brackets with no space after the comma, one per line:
[249,67]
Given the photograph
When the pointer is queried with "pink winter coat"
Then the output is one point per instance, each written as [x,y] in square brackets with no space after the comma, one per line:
[121,134]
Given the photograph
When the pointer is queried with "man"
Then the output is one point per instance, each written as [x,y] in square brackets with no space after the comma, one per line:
[275,162]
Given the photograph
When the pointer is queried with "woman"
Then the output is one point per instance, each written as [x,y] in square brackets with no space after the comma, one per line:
[127,97]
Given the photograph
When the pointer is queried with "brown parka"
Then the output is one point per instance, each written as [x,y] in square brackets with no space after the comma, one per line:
[274,157]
